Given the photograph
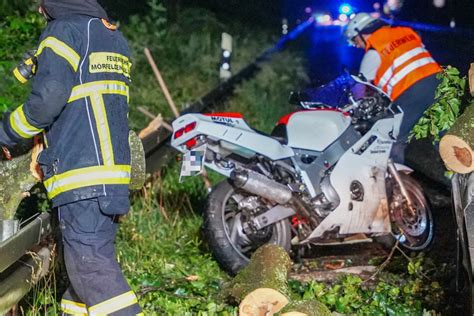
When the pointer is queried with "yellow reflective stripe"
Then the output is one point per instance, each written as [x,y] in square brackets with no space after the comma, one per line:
[114,304]
[19,77]
[105,140]
[87,183]
[78,172]
[73,308]
[101,87]
[61,49]
[80,178]
[20,125]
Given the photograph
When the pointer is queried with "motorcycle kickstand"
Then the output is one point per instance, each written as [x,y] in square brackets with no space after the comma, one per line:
[394,172]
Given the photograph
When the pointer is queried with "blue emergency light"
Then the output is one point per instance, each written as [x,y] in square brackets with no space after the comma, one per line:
[346,9]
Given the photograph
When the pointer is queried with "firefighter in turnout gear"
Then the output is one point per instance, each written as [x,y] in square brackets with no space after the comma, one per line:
[396,61]
[79,103]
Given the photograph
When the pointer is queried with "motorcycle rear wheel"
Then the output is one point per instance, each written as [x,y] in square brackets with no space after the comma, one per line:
[222,228]
[415,233]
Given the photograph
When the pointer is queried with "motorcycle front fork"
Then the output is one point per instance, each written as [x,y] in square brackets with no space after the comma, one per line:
[394,172]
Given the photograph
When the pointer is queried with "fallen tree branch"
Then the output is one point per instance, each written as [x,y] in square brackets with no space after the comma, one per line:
[161,82]
[411,260]
[383,264]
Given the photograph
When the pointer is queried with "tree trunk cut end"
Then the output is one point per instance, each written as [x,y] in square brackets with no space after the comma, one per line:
[456,154]
[262,302]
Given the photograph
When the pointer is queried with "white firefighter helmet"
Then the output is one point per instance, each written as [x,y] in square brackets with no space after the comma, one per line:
[357,25]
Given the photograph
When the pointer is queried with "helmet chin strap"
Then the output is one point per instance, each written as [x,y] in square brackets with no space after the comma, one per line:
[359,34]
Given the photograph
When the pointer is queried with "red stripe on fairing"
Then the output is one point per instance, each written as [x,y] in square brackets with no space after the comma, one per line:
[225,114]
[285,119]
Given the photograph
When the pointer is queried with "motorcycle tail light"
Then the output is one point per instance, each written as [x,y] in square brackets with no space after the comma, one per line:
[178,133]
[188,128]
[191,143]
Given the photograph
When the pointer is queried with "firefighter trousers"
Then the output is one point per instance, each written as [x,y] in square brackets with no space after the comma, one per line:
[414,102]
[97,285]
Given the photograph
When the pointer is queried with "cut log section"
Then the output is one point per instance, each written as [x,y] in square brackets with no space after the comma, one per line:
[262,287]
[17,177]
[262,302]
[137,162]
[268,268]
[305,308]
[456,147]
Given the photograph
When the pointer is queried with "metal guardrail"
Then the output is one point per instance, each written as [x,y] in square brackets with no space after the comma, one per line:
[19,271]
[18,280]
[31,235]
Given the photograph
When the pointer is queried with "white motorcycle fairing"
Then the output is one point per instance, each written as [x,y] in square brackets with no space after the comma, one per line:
[233,130]
[366,163]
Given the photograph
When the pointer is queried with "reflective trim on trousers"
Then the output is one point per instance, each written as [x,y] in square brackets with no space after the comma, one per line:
[80,178]
[20,124]
[114,304]
[61,49]
[73,308]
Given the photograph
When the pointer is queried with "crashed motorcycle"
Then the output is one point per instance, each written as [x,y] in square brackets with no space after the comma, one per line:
[322,177]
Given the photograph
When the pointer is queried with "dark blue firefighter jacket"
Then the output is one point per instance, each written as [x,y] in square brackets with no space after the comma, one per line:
[79,101]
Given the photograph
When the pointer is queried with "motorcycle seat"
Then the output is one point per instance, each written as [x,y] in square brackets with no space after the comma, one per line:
[277,136]
[279,133]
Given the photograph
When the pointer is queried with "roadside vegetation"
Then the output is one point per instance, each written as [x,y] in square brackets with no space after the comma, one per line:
[159,244]
[452,97]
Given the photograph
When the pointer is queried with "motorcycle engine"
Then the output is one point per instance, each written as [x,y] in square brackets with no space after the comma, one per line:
[327,201]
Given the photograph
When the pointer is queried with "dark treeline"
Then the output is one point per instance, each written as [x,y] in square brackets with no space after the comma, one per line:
[257,12]
[118,9]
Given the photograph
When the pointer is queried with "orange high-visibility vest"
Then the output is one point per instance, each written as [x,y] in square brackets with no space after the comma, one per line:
[404,59]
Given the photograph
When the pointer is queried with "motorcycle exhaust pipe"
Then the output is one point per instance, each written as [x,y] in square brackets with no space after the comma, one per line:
[258,184]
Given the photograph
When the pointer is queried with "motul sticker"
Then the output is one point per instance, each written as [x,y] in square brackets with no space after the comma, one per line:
[109,62]
[224,120]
